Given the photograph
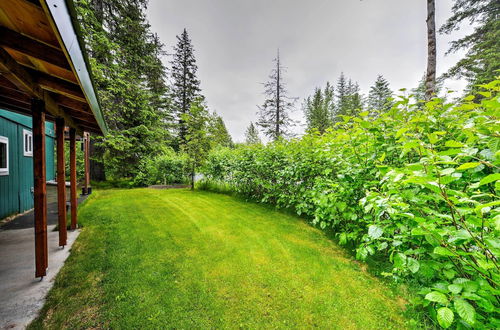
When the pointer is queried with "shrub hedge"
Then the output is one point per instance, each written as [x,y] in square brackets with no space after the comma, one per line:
[418,185]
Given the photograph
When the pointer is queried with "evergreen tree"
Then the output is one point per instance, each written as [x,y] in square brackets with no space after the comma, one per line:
[130,81]
[342,103]
[379,97]
[274,117]
[252,135]
[354,99]
[349,100]
[219,136]
[197,135]
[482,60]
[186,86]
[319,109]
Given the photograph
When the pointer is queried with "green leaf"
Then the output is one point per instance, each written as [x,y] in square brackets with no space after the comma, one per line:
[453,144]
[490,178]
[445,317]
[466,166]
[455,288]
[413,265]
[442,251]
[465,310]
[438,297]
[375,231]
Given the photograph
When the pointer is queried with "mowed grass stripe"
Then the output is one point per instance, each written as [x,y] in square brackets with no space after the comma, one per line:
[180,259]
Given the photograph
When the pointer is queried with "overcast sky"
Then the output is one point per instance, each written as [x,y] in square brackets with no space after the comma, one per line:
[235,42]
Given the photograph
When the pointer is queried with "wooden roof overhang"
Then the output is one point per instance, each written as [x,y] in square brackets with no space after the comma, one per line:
[42,56]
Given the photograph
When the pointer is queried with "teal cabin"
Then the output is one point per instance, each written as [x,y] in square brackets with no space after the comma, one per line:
[16,161]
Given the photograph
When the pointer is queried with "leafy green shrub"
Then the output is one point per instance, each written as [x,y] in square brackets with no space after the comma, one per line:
[167,168]
[418,185]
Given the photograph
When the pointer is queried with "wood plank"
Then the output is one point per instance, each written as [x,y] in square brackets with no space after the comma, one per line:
[14,95]
[32,47]
[61,182]
[15,103]
[41,65]
[28,19]
[11,107]
[40,189]
[17,75]
[25,82]
[72,165]
[72,104]
[59,86]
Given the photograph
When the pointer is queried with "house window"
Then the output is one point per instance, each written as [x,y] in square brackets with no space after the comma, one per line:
[4,155]
[28,143]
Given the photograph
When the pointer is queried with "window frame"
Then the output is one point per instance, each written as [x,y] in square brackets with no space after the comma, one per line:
[5,170]
[27,152]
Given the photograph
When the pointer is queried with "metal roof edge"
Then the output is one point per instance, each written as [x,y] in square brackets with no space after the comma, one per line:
[64,16]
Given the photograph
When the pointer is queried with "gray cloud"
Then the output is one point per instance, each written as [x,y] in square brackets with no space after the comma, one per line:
[235,42]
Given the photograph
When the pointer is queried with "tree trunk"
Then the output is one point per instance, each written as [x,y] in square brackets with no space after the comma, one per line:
[278,101]
[192,178]
[430,79]
[97,172]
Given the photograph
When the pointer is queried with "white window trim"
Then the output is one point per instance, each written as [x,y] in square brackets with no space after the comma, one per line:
[5,170]
[26,151]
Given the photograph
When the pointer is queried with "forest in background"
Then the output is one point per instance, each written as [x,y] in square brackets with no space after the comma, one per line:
[146,104]
[412,179]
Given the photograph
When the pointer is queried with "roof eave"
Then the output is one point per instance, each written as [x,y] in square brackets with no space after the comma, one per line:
[63,16]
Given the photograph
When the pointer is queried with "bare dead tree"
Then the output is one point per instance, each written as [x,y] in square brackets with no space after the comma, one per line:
[274,118]
[430,79]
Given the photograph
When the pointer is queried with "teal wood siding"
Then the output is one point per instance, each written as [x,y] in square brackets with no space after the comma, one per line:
[9,197]
[25,179]
[49,158]
[16,194]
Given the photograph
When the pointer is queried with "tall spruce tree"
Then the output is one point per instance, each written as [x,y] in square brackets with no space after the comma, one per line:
[197,138]
[348,99]
[341,96]
[482,60]
[319,109]
[186,86]
[379,97]
[354,99]
[219,135]
[252,135]
[274,114]
[130,80]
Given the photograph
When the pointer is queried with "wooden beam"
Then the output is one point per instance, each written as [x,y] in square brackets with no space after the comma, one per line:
[17,75]
[72,165]
[16,103]
[33,48]
[11,107]
[13,94]
[61,182]
[40,189]
[27,83]
[71,103]
[5,83]
[58,85]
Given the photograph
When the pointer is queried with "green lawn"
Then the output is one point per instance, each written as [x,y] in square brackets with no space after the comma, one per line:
[180,259]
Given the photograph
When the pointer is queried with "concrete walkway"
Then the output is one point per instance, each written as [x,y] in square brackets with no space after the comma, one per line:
[21,294]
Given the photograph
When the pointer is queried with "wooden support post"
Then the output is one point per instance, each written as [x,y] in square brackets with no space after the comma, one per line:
[86,162]
[72,166]
[61,182]
[40,189]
